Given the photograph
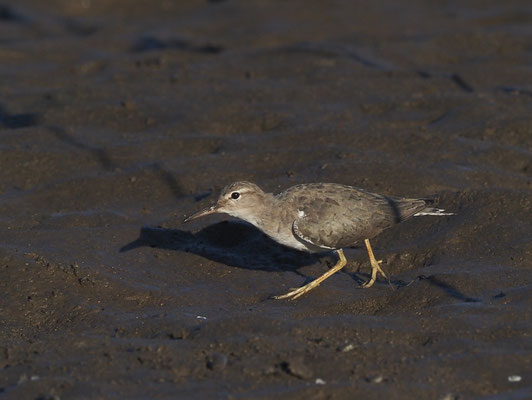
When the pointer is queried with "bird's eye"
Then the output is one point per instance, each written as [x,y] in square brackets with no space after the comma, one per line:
[235,195]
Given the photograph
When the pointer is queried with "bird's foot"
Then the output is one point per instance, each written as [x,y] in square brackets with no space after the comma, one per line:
[294,293]
[369,283]
[375,270]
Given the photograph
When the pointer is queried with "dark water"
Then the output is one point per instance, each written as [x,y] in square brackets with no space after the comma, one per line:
[118,119]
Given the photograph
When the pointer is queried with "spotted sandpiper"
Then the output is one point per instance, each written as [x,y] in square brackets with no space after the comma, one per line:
[318,217]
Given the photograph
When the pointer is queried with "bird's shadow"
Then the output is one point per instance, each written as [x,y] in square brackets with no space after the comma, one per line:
[232,243]
[241,245]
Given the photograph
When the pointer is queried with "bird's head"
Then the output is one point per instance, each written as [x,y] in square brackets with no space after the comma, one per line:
[239,199]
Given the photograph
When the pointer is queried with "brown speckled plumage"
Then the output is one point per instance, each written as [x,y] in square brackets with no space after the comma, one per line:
[337,216]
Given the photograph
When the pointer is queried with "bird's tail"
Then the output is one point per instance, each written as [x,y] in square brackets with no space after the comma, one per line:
[432,211]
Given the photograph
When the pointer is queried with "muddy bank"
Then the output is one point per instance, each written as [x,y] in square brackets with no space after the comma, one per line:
[118,120]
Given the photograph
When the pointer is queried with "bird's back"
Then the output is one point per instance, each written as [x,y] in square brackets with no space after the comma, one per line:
[333,216]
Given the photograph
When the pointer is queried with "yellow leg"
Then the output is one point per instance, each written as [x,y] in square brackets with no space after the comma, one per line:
[375,267]
[294,294]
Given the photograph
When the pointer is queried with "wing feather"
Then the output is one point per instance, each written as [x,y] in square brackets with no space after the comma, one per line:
[337,216]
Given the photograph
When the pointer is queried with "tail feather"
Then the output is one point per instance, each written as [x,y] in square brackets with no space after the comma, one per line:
[433,211]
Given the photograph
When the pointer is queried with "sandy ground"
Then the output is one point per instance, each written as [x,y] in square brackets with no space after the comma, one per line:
[116,120]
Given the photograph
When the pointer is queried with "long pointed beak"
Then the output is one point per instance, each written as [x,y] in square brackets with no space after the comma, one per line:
[202,213]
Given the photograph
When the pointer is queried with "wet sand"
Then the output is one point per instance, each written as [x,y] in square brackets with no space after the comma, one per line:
[116,121]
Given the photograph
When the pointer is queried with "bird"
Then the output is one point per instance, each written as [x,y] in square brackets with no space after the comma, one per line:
[319,217]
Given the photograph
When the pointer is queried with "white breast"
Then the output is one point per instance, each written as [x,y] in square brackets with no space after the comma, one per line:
[288,240]
[282,236]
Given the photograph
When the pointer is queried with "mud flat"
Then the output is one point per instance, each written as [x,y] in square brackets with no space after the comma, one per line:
[117,120]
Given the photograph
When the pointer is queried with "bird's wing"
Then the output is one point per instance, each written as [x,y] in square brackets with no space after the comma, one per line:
[308,236]
[334,222]
[333,225]
[338,228]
